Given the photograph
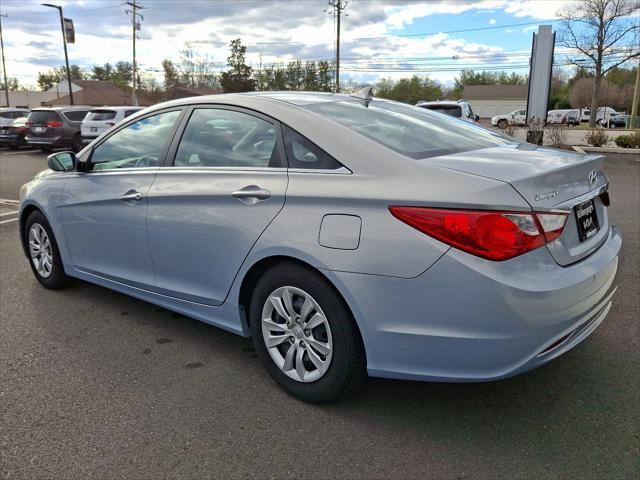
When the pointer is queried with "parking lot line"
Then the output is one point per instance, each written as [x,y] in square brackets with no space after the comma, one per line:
[7,221]
[9,213]
[12,202]
[19,152]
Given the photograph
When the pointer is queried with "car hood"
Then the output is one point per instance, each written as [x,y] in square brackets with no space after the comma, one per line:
[545,177]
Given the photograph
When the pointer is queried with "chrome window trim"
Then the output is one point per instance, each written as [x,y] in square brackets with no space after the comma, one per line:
[194,169]
[118,171]
[338,171]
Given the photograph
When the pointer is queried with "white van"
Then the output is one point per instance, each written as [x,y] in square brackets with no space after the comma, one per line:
[566,116]
[99,120]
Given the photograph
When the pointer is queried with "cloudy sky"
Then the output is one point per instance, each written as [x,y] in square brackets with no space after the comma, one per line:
[380,38]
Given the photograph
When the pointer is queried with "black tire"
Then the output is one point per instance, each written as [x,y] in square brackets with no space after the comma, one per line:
[76,146]
[502,124]
[57,278]
[348,365]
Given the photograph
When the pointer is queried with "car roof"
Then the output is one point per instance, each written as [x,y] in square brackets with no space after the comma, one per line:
[61,109]
[441,102]
[13,109]
[116,108]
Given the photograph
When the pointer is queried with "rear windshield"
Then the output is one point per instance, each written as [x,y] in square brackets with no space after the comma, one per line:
[413,131]
[99,115]
[75,115]
[453,110]
[42,116]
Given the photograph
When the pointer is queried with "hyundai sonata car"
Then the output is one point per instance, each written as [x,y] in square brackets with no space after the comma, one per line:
[346,235]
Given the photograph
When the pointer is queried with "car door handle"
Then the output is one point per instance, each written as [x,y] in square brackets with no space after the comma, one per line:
[131,195]
[252,191]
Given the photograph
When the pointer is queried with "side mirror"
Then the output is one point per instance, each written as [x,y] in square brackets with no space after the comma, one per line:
[477,117]
[62,162]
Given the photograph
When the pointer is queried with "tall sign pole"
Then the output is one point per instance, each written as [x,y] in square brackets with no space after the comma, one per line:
[539,81]
[4,67]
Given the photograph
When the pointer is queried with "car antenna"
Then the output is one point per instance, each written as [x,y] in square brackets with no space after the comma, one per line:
[365,94]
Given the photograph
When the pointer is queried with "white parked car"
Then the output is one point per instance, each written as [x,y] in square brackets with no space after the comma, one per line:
[517,117]
[566,116]
[99,120]
[8,116]
[455,108]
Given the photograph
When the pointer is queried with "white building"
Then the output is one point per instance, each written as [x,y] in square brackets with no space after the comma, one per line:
[28,100]
[490,100]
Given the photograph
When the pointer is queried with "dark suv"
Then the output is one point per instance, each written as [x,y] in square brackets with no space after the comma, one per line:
[49,128]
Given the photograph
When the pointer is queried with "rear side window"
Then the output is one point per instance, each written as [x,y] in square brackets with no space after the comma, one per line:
[303,153]
[227,138]
[75,115]
[129,112]
[100,115]
[42,116]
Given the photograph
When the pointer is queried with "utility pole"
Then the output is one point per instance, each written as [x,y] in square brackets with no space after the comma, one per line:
[337,7]
[64,42]
[635,121]
[4,67]
[134,27]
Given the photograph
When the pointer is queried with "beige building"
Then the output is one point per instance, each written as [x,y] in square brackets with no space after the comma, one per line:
[490,100]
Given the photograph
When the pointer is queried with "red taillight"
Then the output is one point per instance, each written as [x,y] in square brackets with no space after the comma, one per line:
[493,235]
[54,123]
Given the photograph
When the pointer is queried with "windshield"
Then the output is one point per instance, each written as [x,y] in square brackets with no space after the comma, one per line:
[413,131]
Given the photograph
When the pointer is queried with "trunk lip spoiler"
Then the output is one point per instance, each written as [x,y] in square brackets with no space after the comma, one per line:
[567,205]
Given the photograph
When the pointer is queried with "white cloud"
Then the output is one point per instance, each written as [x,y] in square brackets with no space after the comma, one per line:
[104,35]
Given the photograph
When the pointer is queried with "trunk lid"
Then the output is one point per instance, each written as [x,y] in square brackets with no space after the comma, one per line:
[547,179]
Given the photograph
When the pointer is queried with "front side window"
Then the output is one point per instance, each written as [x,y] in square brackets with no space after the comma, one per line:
[227,138]
[137,145]
[411,131]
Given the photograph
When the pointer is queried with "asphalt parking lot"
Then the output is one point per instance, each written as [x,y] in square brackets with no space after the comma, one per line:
[94,384]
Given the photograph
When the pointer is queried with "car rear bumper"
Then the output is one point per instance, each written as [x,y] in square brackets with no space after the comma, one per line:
[57,141]
[467,319]
[9,138]
[86,139]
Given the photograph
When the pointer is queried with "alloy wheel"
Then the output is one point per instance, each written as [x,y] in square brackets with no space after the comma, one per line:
[40,250]
[297,334]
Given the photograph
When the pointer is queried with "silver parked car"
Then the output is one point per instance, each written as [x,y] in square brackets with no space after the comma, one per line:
[346,235]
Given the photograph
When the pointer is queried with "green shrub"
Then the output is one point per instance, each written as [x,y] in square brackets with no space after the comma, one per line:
[596,138]
[628,141]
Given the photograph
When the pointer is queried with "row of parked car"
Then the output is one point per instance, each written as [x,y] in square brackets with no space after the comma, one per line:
[58,127]
[606,116]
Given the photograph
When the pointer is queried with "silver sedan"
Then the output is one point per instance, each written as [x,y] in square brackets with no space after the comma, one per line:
[346,235]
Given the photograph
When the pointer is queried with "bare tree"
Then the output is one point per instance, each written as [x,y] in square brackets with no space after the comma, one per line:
[607,32]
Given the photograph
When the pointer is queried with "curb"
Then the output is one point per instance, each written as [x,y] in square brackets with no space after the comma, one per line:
[632,151]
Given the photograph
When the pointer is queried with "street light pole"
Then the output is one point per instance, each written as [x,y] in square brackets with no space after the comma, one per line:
[64,42]
[4,67]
